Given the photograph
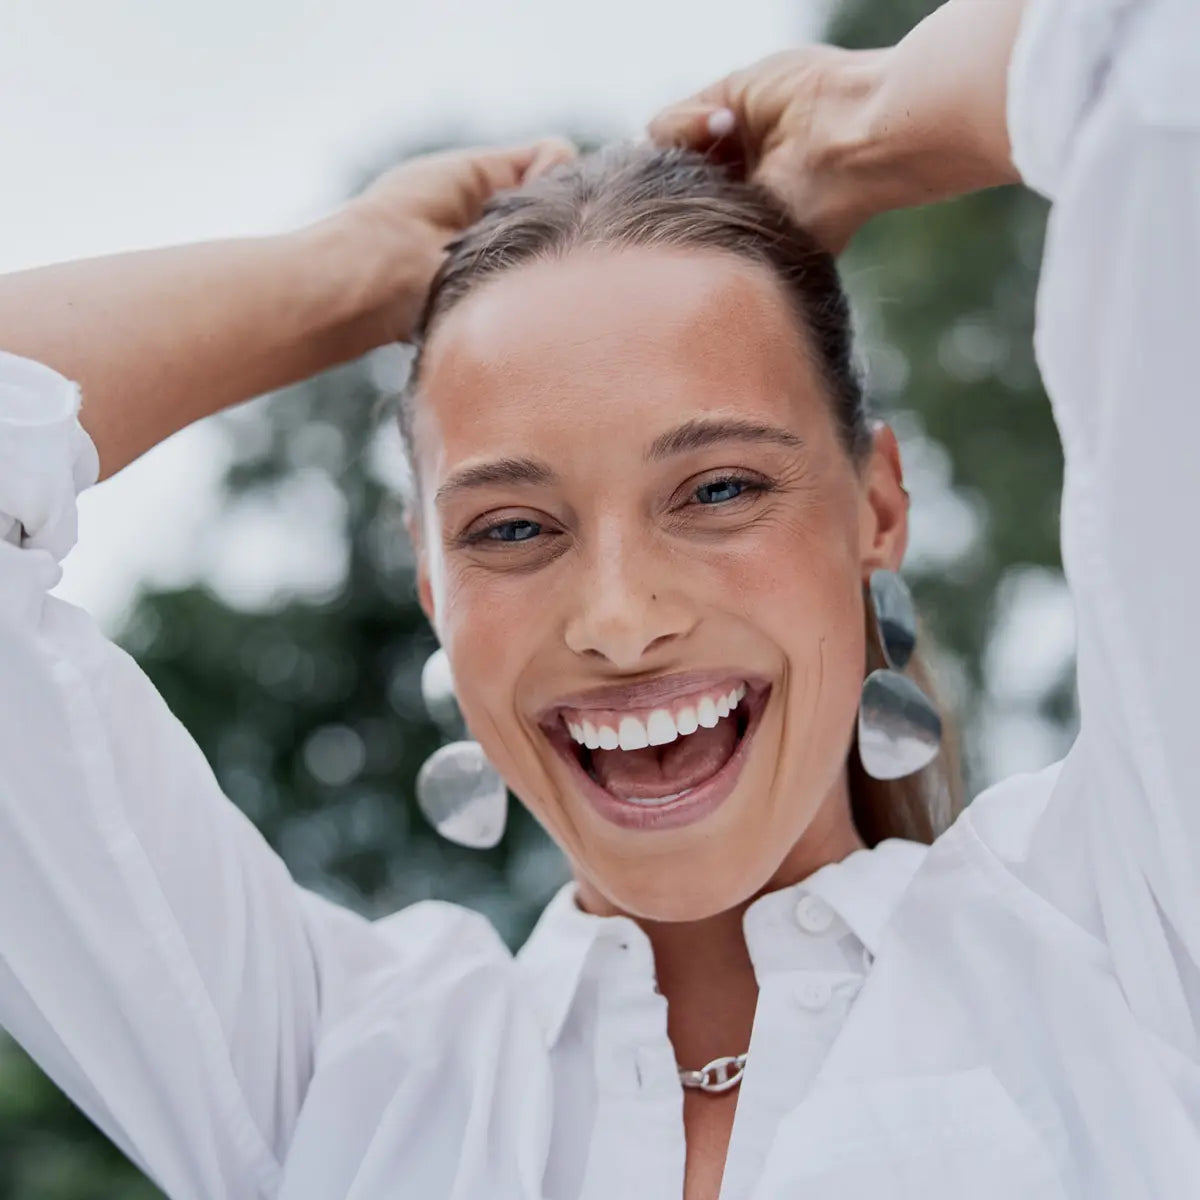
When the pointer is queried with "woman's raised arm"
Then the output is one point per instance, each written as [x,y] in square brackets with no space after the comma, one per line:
[1105,117]
[842,135]
[156,958]
[159,339]
[1102,99]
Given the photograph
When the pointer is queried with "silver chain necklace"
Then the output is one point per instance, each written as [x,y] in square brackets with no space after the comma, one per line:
[720,1075]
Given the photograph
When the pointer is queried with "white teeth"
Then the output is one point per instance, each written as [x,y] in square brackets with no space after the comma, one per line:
[660,728]
[632,734]
[651,801]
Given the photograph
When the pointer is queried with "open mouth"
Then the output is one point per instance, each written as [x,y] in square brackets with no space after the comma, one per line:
[663,767]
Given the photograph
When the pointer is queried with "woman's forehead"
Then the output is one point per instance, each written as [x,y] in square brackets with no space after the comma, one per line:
[611,340]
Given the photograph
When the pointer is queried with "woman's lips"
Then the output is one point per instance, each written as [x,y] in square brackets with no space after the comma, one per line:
[671,811]
[649,693]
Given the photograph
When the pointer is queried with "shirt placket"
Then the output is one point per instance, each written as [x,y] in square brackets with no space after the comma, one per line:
[810,967]
[637,1149]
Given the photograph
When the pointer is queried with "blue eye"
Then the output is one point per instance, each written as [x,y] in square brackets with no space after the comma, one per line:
[512,531]
[720,491]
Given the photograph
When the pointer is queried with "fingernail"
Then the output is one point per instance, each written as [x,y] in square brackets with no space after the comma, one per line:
[721,122]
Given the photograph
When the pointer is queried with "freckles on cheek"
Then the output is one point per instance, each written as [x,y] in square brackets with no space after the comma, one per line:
[804,592]
[791,575]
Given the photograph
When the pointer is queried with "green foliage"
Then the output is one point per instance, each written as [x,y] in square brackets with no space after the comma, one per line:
[48,1150]
[309,712]
[945,297]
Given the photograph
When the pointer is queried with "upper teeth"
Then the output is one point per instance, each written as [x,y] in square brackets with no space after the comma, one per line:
[633,732]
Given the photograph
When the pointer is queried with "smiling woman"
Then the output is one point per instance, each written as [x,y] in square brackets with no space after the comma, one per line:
[636,415]
[658,537]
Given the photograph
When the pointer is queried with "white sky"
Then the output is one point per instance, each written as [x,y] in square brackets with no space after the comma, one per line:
[133,123]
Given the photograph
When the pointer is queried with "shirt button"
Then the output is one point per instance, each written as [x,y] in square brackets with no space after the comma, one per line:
[813,994]
[813,915]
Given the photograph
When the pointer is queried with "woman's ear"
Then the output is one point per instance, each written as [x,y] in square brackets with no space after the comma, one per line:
[883,506]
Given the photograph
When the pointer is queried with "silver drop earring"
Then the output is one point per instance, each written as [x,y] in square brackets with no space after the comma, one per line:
[899,730]
[458,790]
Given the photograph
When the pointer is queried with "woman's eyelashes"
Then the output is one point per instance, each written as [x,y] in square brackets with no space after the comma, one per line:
[511,531]
[727,489]
[506,532]
[716,495]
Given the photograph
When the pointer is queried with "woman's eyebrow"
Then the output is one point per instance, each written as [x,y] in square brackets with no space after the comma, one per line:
[701,432]
[498,471]
[691,435]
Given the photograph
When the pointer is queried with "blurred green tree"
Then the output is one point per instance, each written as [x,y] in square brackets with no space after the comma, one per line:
[308,706]
[945,301]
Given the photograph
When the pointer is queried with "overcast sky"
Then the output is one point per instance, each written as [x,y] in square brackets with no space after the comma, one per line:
[132,123]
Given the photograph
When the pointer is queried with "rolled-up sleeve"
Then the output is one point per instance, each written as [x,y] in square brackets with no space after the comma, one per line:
[155,957]
[1104,113]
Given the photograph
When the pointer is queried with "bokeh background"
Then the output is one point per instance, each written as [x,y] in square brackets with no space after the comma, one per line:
[256,565]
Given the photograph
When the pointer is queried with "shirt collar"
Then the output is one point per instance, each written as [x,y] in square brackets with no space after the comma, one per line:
[552,961]
[863,889]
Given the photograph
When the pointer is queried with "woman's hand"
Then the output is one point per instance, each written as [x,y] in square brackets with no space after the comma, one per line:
[787,122]
[842,135]
[161,338]
[410,213]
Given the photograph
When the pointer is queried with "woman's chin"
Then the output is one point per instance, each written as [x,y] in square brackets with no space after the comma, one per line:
[688,873]
[694,905]
[672,888]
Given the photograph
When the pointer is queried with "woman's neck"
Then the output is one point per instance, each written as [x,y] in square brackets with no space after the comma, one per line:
[703,967]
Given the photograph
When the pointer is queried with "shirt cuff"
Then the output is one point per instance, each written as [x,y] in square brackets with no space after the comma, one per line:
[46,456]
[1059,65]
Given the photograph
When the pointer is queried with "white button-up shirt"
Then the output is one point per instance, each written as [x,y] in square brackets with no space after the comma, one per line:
[1012,1013]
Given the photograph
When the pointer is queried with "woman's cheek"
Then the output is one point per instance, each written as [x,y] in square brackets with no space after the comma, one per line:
[463,614]
[487,632]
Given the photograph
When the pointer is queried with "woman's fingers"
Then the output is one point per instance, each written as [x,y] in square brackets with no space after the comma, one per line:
[493,170]
[549,153]
[510,166]
[693,124]
[446,191]
[425,202]
[496,170]
[782,122]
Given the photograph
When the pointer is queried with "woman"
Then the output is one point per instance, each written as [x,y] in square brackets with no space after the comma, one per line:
[647,493]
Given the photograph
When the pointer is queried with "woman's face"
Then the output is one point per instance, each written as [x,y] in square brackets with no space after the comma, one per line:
[636,518]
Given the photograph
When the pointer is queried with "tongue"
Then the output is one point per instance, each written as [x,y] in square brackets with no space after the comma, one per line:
[663,770]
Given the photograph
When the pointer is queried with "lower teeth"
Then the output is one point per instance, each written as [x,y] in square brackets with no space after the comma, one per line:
[652,800]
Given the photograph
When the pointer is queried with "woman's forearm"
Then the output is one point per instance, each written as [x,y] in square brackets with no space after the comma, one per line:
[161,338]
[936,124]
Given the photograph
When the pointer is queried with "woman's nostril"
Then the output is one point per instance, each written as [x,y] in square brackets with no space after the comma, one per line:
[625,651]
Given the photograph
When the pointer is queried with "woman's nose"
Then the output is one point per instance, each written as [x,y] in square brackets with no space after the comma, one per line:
[625,607]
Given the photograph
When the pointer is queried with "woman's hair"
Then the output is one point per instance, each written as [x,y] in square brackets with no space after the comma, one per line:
[636,196]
